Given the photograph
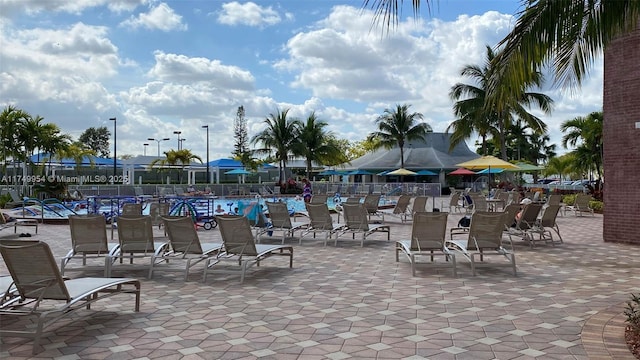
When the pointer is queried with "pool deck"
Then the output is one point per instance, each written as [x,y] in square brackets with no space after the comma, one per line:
[348,302]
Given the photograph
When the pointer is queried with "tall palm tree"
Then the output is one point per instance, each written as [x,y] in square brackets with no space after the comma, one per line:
[470,110]
[396,127]
[560,165]
[315,143]
[586,134]
[11,147]
[280,136]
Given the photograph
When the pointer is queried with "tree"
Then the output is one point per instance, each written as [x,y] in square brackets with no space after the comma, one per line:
[241,134]
[478,110]
[585,133]
[357,149]
[471,112]
[176,158]
[560,165]
[97,139]
[279,137]
[396,127]
[314,143]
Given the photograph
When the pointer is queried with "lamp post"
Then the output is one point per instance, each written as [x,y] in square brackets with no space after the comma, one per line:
[179,142]
[158,141]
[181,146]
[115,147]
[208,175]
[145,149]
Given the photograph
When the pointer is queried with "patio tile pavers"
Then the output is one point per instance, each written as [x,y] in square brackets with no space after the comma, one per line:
[356,302]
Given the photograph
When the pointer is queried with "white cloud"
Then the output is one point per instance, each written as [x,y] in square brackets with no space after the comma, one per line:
[249,14]
[34,7]
[161,17]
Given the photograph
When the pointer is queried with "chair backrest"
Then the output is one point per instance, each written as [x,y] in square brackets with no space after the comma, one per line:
[549,216]
[135,234]
[89,234]
[510,212]
[515,197]
[582,201]
[554,199]
[182,234]
[319,199]
[419,204]
[529,216]
[428,231]
[353,200]
[371,203]
[132,209]
[279,215]
[479,203]
[355,216]
[402,204]
[157,211]
[485,231]
[34,269]
[455,198]
[236,235]
[504,196]
[319,216]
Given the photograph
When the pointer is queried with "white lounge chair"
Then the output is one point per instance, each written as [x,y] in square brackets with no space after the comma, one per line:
[356,222]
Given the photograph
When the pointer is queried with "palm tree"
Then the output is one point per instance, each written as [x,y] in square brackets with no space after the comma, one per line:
[10,120]
[560,165]
[315,144]
[174,158]
[586,134]
[396,127]
[471,113]
[280,136]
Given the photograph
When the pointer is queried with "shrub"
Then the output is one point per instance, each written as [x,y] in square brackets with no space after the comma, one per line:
[633,313]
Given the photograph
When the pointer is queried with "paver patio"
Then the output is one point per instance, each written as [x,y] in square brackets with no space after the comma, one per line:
[348,302]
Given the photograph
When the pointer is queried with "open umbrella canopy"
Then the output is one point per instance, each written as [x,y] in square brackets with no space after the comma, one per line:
[330,172]
[490,171]
[462,172]
[359,172]
[401,171]
[426,172]
[383,173]
[238,172]
[487,161]
[524,167]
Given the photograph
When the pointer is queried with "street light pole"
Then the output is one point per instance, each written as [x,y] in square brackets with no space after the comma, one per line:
[179,142]
[158,141]
[115,147]
[181,145]
[145,148]
[208,174]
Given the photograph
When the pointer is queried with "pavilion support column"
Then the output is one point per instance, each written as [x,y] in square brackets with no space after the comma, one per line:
[621,131]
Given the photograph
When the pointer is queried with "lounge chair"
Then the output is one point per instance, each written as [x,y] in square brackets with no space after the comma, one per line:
[185,245]
[371,203]
[581,205]
[17,222]
[484,239]
[454,204]
[544,224]
[525,221]
[88,240]
[9,291]
[135,236]
[479,203]
[240,246]
[428,234]
[319,199]
[321,222]
[419,204]
[401,209]
[356,222]
[37,278]
[157,211]
[281,221]
[131,209]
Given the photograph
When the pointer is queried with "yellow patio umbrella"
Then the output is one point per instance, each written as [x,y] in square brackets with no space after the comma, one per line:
[487,162]
[401,171]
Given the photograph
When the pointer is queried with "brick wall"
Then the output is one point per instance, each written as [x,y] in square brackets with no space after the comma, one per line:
[622,140]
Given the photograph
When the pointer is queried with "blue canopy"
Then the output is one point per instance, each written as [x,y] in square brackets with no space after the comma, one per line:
[330,172]
[426,172]
[359,172]
[226,163]
[237,172]
[490,171]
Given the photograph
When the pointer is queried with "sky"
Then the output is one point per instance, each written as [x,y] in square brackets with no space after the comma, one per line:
[165,66]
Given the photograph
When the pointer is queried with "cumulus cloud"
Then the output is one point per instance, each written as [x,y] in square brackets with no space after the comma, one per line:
[249,14]
[34,7]
[160,17]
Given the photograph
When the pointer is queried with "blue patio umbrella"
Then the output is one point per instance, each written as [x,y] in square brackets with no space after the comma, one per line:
[490,171]
[384,173]
[330,172]
[426,172]
[359,172]
[238,172]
